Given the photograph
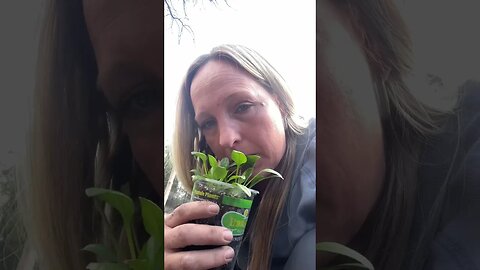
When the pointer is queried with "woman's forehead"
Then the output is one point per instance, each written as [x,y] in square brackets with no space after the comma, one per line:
[126,34]
[103,15]
[217,73]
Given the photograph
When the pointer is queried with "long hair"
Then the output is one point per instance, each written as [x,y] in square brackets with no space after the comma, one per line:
[406,122]
[75,142]
[62,149]
[187,138]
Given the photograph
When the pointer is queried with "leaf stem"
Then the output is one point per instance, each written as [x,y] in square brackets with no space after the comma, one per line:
[131,244]
[205,166]
[228,176]
[109,229]
[236,172]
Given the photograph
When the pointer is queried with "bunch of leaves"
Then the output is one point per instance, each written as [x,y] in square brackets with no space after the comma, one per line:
[238,170]
[148,256]
[358,260]
[12,231]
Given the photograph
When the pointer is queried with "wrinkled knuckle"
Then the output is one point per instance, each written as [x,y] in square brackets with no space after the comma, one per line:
[167,217]
[181,236]
[187,262]
[168,263]
[214,233]
[168,239]
[179,211]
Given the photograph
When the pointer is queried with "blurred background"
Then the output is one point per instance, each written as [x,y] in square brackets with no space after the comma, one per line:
[445,36]
[19,28]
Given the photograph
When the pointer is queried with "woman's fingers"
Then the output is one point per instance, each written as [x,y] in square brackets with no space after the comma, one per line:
[199,259]
[191,211]
[197,234]
[179,234]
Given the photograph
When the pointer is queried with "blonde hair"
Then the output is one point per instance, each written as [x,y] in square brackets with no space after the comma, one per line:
[187,138]
[406,122]
[62,141]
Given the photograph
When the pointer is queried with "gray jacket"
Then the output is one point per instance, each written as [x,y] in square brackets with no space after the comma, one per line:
[293,245]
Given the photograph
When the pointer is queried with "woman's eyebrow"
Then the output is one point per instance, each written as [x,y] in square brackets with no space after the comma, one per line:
[232,97]
[239,94]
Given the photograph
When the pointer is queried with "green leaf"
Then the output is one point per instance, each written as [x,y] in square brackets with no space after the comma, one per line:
[252,159]
[238,157]
[219,173]
[152,216]
[243,188]
[155,254]
[247,173]
[254,180]
[121,202]
[224,162]
[212,161]
[143,251]
[336,248]
[210,174]
[277,174]
[137,264]
[107,266]
[260,177]
[197,177]
[203,157]
[103,253]
[235,177]
[152,252]
[200,155]
[195,172]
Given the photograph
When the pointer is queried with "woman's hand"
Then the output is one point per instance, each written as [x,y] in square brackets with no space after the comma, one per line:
[180,234]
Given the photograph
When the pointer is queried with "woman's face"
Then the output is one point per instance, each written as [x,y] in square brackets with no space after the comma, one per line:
[234,112]
[127,37]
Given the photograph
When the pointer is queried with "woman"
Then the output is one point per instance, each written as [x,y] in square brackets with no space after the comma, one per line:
[371,129]
[233,99]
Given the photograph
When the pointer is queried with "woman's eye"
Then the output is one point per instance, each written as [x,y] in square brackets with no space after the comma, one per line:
[243,107]
[209,124]
[142,102]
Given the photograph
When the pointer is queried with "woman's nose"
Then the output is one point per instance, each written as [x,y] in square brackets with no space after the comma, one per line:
[229,135]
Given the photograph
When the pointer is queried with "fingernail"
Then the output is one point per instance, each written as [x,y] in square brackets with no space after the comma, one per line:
[227,235]
[229,254]
[214,209]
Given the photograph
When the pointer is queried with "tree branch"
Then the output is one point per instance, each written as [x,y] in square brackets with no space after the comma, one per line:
[179,22]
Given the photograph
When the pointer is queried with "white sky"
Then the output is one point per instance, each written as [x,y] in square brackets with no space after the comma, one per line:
[284,33]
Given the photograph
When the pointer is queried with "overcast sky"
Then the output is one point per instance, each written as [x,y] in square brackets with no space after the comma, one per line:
[283,33]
